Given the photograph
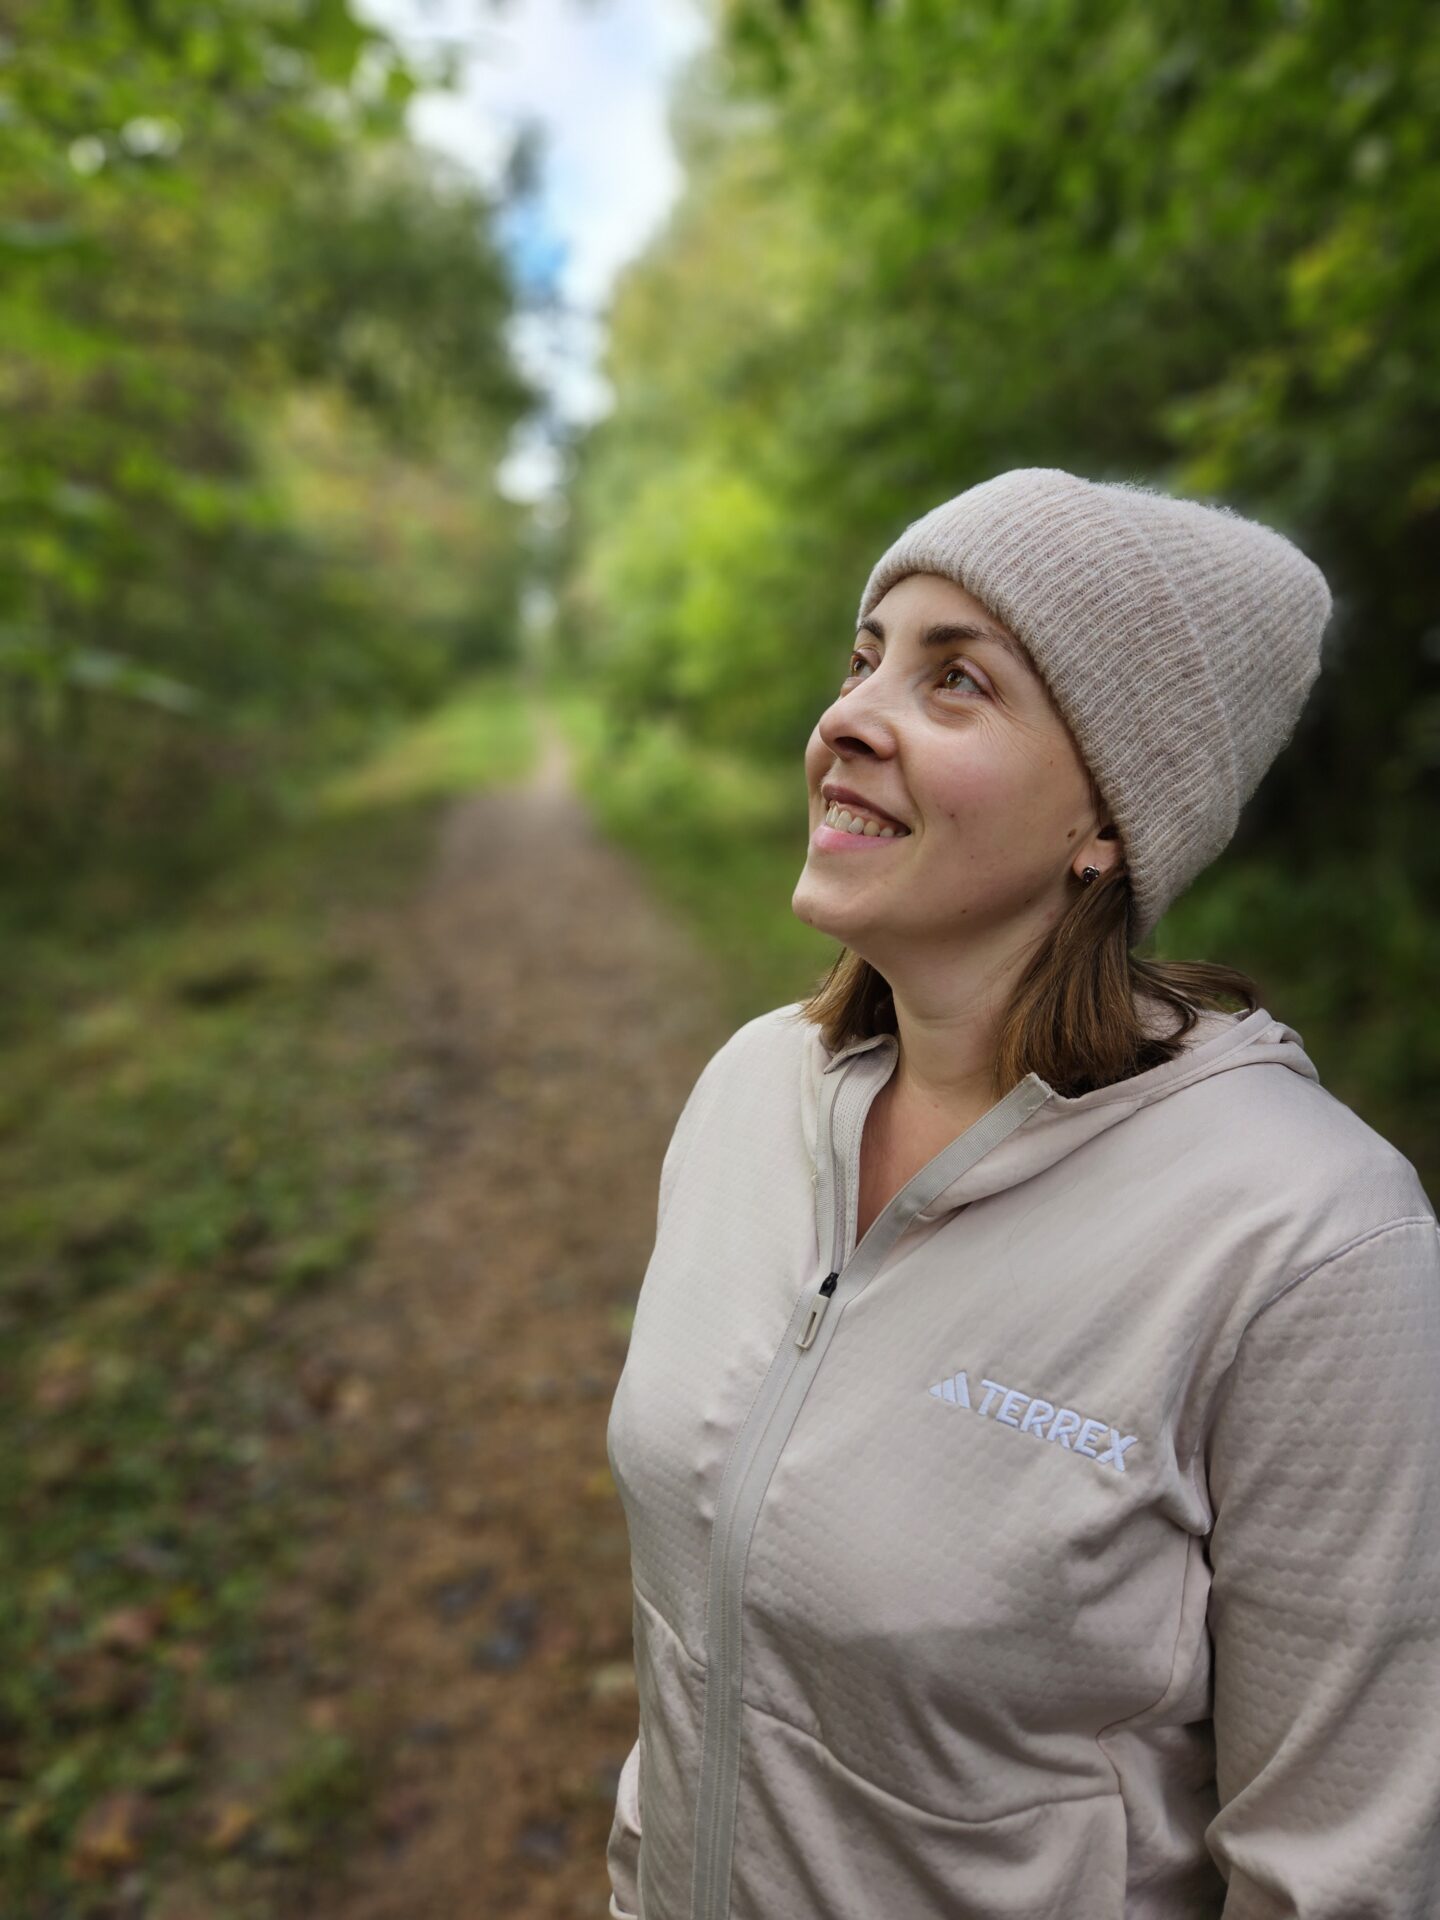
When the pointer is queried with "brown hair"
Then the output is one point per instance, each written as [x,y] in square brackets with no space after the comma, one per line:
[1074,1016]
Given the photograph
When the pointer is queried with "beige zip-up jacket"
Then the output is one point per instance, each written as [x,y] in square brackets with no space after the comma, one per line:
[1069,1549]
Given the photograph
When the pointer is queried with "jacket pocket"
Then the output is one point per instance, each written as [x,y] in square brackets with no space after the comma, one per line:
[811,1836]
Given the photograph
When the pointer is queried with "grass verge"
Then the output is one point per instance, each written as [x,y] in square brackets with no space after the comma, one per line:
[202,1119]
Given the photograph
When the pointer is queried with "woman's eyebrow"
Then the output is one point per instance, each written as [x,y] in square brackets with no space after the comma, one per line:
[949,631]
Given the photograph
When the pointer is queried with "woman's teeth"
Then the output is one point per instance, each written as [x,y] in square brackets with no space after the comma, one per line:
[860,823]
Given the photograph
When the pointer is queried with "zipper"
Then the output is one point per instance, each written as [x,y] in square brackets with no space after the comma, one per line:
[846,1098]
[817,1312]
[806,1336]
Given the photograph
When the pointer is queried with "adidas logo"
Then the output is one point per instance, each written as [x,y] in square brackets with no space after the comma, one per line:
[1045,1421]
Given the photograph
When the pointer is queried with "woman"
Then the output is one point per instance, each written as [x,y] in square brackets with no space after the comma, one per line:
[1030,1433]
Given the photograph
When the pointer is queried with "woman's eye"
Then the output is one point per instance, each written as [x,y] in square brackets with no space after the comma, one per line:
[959,666]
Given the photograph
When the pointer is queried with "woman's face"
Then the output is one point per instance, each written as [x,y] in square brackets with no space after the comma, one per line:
[941,728]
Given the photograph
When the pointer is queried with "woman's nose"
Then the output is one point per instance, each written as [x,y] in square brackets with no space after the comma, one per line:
[858,719]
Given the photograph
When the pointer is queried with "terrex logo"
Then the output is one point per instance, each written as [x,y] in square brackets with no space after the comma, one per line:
[1045,1421]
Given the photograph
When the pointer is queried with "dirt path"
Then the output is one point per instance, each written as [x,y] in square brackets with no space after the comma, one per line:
[490,1649]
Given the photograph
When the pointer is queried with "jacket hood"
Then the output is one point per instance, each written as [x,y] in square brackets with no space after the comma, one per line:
[1218,1043]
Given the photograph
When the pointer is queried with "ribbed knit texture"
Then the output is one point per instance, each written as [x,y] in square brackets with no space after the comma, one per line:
[1179,643]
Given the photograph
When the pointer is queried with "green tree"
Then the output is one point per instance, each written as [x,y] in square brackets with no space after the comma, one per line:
[203,214]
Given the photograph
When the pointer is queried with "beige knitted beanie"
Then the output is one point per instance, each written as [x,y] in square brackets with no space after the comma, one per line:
[1178,641]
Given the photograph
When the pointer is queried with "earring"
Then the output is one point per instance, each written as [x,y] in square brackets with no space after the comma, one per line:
[1089,874]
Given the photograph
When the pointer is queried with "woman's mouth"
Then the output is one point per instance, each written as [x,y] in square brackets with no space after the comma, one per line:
[843,829]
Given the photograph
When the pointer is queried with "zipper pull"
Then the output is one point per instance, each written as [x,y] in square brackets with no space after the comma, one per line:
[817,1312]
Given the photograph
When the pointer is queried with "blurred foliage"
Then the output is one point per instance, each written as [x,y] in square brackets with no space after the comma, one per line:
[716,832]
[923,242]
[255,383]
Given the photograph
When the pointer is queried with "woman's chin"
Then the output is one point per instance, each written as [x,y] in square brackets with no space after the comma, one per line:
[820,906]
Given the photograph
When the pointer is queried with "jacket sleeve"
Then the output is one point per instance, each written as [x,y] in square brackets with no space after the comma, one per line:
[1324,1609]
[623,1851]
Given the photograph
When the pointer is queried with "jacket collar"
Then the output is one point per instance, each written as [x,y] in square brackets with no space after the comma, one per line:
[1056,1126]
[833,1060]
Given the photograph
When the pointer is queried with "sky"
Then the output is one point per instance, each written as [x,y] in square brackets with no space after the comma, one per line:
[595,76]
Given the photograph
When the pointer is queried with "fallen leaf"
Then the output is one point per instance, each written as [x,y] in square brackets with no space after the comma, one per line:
[353,1398]
[28,1820]
[128,1629]
[108,1837]
[187,1655]
[64,1378]
[168,1769]
[100,1685]
[229,1825]
[614,1677]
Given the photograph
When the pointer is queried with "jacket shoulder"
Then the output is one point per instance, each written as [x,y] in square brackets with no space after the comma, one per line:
[741,1079]
[761,1053]
[1279,1145]
[781,1034]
